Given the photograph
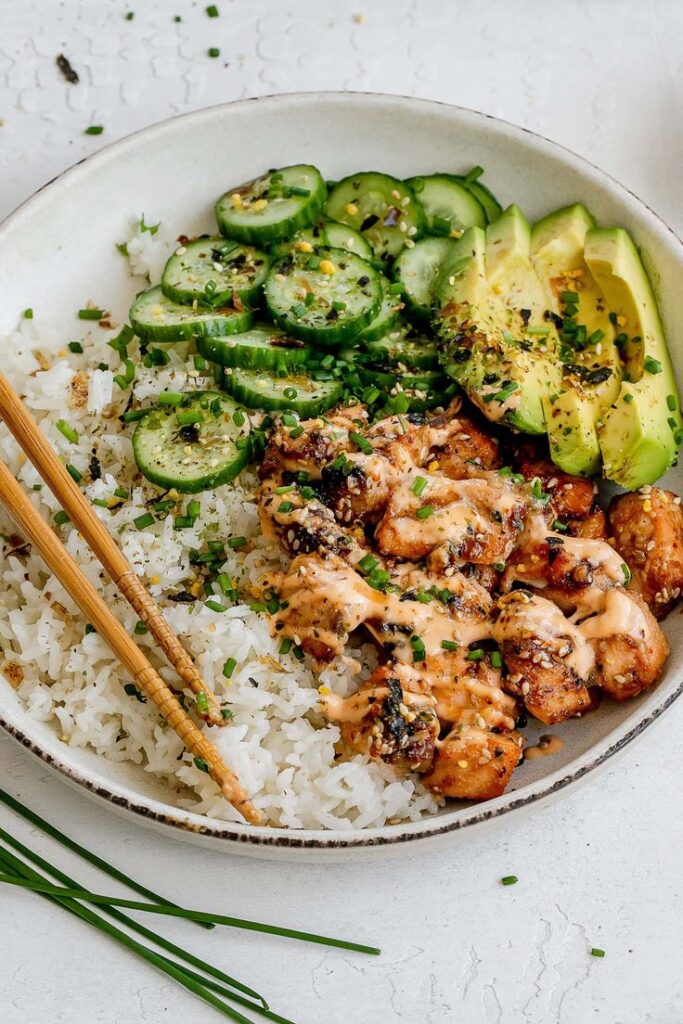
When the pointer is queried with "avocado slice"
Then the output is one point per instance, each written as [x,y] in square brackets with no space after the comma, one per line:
[495,331]
[592,369]
[641,432]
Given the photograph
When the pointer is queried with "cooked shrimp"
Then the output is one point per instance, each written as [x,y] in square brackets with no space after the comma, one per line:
[647,531]
[548,661]
[391,718]
[630,648]
[474,764]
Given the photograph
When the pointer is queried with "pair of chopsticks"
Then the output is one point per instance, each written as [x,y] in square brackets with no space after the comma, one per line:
[34,528]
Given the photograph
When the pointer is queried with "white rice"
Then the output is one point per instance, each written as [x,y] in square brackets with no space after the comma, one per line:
[278,743]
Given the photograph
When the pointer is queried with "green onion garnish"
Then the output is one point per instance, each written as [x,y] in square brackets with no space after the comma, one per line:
[67,431]
[361,443]
[418,648]
[236,542]
[90,314]
[425,512]
[60,518]
[229,667]
[509,880]
[475,655]
[94,129]
[169,398]
[418,485]
[74,473]
[142,522]
[449,645]
[75,347]
[140,628]
[215,606]
[597,952]
[652,365]
[202,702]
[28,314]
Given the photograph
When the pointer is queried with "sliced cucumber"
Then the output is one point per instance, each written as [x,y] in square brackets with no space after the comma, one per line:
[156,318]
[383,209]
[328,232]
[421,391]
[388,314]
[448,205]
[262,348]
[260,389]
[404,346]
[194,445]
[273,206]
[326,296]
[212,270]
[418,271]
[484,197]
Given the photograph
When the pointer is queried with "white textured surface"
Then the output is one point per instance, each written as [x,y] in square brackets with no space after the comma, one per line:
[600,868]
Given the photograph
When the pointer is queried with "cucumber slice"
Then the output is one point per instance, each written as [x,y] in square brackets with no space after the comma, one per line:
[213,270]
[486,199]
[193,456]
[418,270]
[273,206]
[404,346]
[262,348]
[260,389]
[325,296]
[328,232]
[448,205]
[156,318]
[422,391]
[383,209]
[388,314]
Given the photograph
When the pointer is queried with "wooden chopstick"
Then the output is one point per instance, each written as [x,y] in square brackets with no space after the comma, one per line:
[93,606]
[38,449]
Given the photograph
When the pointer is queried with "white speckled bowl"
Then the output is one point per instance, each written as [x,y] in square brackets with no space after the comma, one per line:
[57,250]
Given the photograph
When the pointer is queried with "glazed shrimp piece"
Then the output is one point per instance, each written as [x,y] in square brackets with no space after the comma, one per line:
[474,763]
[629,646]
[548,660]
[563,567]
[390,718]
[647,531]
[478,518]
[320,441]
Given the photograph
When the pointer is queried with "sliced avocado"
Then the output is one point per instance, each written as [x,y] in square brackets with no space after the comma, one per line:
[592,369]
[640,433]
[494,326]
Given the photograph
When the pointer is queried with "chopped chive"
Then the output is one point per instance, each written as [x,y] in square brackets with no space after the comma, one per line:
[671,402]
[425,512]
[75,475]
[28,314]
[212,11]
[100,502]
[60,518]
[628,397]
[285,489]
[509,880]
[169,398]
[297,432]
[652,365]
[142,522]
[627,573]
[94,129]
[538,330]
[229,667]
[67,431]
[37,487]
[286,646]
[183,523]
[140,628]
[130,15]
[596,336]
[193,509]
[90,314]
[569,296]
[202,702]
[75,347]
[188,416]
[597,952]
[475,655]
[213,51]
[418,648]
[121,492]
[200,763]
[226,714]
[368,563]
[418,485]
[215,606]
[361,443]
[236,542]
[285,506]
[496,659]
[449,645]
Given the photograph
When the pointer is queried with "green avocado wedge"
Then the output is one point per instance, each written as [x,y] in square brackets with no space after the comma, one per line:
[641,432]
[591,362]
[496,336]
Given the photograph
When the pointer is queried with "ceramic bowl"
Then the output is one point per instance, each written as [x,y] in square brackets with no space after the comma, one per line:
[61,242]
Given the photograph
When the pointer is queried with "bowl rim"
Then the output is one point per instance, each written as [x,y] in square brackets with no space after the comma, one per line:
[247,836]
